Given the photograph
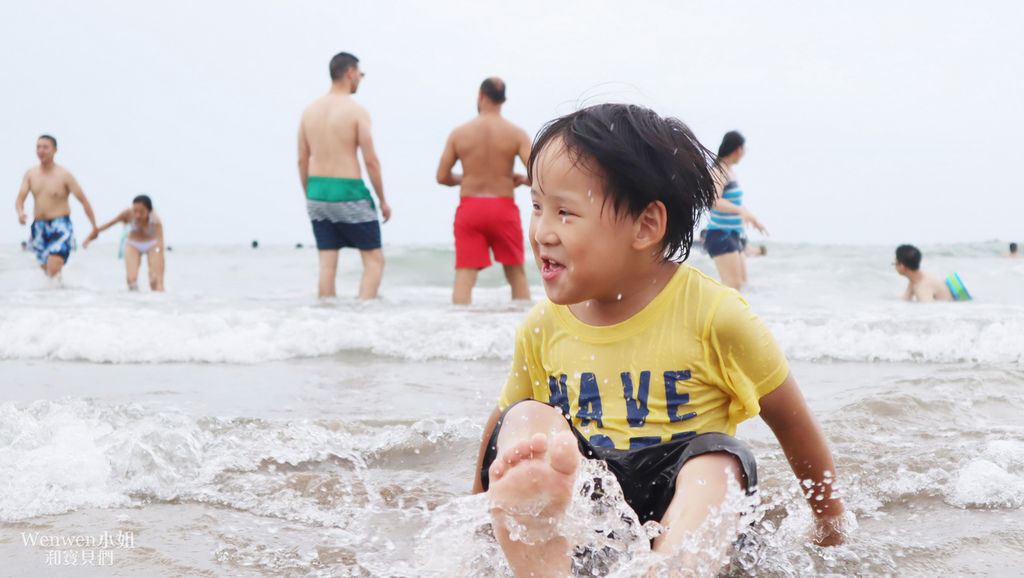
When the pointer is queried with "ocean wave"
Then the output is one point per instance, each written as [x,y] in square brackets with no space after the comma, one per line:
[244,336]
[258,332]
[67,454]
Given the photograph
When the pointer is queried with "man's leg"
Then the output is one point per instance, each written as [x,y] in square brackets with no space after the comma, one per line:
[373,271]
[462,290]
[328,270]
[54,265]
[701,485]
[516,275]
[534,470]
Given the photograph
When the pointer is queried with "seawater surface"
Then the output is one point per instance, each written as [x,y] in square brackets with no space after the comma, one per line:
[238,426]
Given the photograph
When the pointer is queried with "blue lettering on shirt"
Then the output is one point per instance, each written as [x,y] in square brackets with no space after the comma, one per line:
[602,441]
[636,409]
[673,398]
[643,442]
[590,400]
[559,396]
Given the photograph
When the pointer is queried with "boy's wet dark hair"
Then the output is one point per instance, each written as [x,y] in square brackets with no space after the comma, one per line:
[49,138]
[1013,247]
[340,64]
[641,158]
[145,200]
[494,89]
[730,142]
[909,256]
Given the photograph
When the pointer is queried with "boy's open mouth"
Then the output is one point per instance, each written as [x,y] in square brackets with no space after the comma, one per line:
[550,268]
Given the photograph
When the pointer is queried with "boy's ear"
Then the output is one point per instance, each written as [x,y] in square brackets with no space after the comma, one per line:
[649,229]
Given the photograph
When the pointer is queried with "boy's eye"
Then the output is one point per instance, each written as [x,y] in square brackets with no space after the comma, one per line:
[563,212]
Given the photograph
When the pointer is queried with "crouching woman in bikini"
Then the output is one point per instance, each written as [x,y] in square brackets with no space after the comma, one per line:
[145,237]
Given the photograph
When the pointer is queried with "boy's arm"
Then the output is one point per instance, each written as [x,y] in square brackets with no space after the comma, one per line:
[445,176]
[19,201]
[787,414]
[120,218]
[371,161]
[524,156]
[76,190]
[908,295]
[726,206]
[492,421]
[303,156]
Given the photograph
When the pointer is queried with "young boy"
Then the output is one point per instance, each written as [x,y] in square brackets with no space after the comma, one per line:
[925,287]
[633,358]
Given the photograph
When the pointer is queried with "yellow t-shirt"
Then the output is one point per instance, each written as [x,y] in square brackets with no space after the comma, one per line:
[696,359]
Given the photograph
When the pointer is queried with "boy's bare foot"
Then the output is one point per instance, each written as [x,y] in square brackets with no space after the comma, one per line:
[532,484]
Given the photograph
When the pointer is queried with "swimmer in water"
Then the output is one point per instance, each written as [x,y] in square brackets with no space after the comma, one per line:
[926,287]
[145,237]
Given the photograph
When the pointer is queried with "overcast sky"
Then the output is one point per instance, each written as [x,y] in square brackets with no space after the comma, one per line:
[870,121]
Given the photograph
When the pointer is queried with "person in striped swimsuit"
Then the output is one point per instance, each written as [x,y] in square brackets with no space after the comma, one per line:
[728,216]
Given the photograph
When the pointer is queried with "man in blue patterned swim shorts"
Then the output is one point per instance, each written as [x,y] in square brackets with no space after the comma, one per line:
[51,186]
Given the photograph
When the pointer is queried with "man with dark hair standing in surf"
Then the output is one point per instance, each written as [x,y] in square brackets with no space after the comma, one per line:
[333,128]
[487,218]
[51,186]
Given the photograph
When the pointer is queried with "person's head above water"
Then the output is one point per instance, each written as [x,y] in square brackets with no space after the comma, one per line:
[142,206]
[639,158]
[732,142]
[46,147]
[143,200]
[1013,248]
[909,256]
[494,89]
[345,66]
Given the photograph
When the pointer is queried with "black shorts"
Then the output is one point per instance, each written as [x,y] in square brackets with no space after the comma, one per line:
[647,475]
[333,236]
[719,242]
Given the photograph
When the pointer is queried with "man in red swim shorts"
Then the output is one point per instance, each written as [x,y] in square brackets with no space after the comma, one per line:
[487,218]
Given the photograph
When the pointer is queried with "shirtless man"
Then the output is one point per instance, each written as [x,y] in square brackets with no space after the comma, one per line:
[340,206]
[487,217]
[923,287]
[51,185]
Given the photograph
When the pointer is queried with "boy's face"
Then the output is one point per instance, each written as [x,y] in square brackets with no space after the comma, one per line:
[581,246]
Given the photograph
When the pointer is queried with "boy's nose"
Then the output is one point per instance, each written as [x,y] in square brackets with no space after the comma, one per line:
[543,234]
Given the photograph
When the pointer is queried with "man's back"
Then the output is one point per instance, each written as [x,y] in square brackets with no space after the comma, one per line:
[487,147]
[931,288]
[50,189]
[331,128]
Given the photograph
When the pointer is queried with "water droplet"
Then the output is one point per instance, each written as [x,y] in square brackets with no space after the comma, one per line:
[563,220]
[588,192]
[524,368]
[619,298]
[675,151]
[536,329]
[611,126]
[592,358]
[702,482]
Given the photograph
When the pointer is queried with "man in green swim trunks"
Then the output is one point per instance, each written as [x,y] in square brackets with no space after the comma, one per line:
[333,128]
